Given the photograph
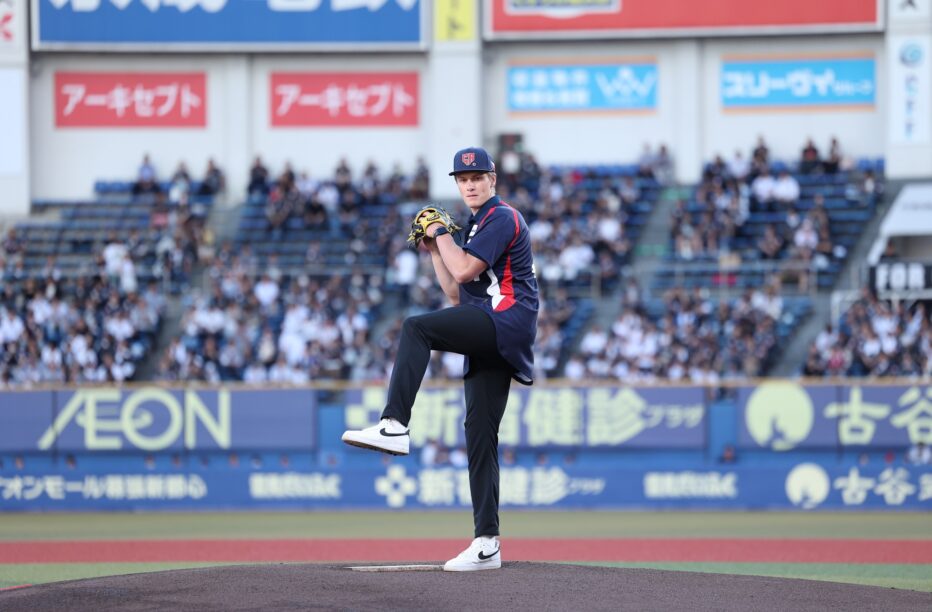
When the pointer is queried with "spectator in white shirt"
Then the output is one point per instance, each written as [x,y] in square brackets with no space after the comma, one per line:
[11,327]
[738,166]
[786,189]
[594,341]
[119,326]
[762,189]
[576,258]
[114,253]
[266,291]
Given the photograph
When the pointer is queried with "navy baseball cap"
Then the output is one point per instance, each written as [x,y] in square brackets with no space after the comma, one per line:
[473,159]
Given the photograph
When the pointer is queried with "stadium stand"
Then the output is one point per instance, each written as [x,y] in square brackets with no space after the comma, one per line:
[584,221]
[316,265]
[86,285]
[874,338]
[746,221]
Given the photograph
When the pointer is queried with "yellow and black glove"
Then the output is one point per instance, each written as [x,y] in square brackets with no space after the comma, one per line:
[428,216]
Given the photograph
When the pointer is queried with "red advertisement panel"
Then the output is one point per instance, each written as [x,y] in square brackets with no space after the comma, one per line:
[542,18]
[130,99]
[344,99]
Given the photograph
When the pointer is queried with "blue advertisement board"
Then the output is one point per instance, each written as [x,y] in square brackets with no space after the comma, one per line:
[24,416]
[805,486]
[784,415]
[618,87]
[594,416]
[798,82]
[169,25]
[155,419]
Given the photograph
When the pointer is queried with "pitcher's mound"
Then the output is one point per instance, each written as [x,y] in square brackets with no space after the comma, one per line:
[516,586]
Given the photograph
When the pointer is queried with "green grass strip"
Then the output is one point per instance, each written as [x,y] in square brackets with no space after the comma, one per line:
[911,577]
[454,524]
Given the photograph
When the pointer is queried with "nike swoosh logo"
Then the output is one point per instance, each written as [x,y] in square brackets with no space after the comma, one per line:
[485,557]
[391,435]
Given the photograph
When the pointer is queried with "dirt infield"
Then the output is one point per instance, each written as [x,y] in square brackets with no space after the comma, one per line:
[517,586]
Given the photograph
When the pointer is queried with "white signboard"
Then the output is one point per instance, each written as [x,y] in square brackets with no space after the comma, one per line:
[910,90]
[909,11]
[13,28]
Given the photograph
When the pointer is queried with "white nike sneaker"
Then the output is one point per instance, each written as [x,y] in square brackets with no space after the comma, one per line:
[389,436]
[484,553]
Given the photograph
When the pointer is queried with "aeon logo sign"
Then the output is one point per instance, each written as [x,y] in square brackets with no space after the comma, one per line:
[148,419]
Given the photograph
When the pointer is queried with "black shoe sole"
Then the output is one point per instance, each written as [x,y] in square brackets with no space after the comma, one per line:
[375,448]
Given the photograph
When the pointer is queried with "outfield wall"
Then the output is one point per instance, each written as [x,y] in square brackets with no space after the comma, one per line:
[814,446]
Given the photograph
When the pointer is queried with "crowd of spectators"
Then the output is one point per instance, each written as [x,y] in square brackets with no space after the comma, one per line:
[579,221]
[92,328]
[260,321]
[797,232]
[95,321]
[149,186]
[336,203]
[692,338]
[875,338]
[258,324]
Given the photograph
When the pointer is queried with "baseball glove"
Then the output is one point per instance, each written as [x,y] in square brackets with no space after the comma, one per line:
[426,217]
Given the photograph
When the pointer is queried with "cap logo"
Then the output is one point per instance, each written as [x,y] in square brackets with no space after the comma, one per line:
[468,158]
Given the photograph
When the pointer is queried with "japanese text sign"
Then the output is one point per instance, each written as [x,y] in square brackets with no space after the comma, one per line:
[598,416]
[806,486]
[629,86]
[599,18]
[784,415]
[114,99]
[344,99]
[765,82]
[176,25]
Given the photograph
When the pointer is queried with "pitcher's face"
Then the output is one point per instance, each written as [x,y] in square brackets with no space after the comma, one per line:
[475,188]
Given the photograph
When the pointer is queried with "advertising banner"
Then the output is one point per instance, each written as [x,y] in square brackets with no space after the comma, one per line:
[910,89]
[152,419]
[784,415]
[455,20]
[340,99]
[642,18]
[230,25]
[788,83]
[805,486]
[130,100]
[597,416]
[583,86]
[900,278]
[24,415]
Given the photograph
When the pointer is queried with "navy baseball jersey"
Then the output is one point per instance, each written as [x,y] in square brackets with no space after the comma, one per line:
[507,289]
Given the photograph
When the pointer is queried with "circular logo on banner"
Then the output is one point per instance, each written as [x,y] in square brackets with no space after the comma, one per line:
[807,485]
[779,415]
[911,55]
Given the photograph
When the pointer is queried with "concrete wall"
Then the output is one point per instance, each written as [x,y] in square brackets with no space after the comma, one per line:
[66,161]
[860,132]
[462,101]
[14,110]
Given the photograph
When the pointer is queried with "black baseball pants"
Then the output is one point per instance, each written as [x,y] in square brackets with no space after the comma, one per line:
[469,331]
